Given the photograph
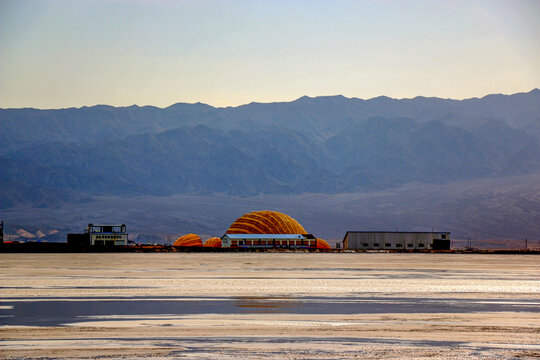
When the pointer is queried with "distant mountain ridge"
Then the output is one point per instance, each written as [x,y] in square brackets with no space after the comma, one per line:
[28,127]
[327,144]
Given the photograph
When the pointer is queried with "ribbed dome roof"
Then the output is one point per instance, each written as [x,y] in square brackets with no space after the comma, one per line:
[266,222]
[213,242]
[188,240]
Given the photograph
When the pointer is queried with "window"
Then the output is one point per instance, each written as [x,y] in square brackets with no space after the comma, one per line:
[387,245]
[420,245]
[375,244]
[399,245]
[365,244]
[409,245]
[443,236]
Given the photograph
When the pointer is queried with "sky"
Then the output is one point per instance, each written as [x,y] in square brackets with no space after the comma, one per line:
[64,53]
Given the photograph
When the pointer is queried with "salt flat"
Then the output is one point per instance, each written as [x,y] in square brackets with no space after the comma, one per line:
[260,305]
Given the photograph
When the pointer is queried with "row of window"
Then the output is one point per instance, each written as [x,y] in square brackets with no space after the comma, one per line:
[109,242]
[272,242]
[398,245]
[107,237]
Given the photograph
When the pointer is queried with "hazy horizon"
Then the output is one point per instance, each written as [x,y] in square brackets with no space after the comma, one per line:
[59,53]
[273,102]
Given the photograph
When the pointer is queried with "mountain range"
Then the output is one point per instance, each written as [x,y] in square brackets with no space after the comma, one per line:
[311,145]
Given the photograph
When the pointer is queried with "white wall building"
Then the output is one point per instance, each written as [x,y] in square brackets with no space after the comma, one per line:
[268,241]
[107,234]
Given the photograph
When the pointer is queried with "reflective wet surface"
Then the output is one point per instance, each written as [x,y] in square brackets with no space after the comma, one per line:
[269,305]
[47,312]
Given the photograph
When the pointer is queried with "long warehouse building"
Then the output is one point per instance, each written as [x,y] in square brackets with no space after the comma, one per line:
[393,240]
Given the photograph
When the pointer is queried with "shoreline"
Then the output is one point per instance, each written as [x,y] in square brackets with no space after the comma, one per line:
[50,247]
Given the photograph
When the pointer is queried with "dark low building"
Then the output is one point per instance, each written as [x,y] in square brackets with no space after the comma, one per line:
[78,240]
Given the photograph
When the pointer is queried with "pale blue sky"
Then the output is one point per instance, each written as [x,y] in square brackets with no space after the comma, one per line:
[119,52]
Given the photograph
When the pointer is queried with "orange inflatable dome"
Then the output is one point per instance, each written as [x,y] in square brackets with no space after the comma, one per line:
[213,242]
[266,222]
[321,244]
[188,240]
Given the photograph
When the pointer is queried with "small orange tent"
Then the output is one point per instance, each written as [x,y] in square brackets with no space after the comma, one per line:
[213,242]
[188,240]
[321,244]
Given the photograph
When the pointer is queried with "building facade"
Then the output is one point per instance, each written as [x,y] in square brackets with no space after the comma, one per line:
[107,234]
[297,241]
[393,240]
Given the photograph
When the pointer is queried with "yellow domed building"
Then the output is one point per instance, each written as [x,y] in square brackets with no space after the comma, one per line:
[266,222]
[269,229]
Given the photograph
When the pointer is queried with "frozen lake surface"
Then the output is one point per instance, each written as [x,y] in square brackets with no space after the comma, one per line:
[259,305]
